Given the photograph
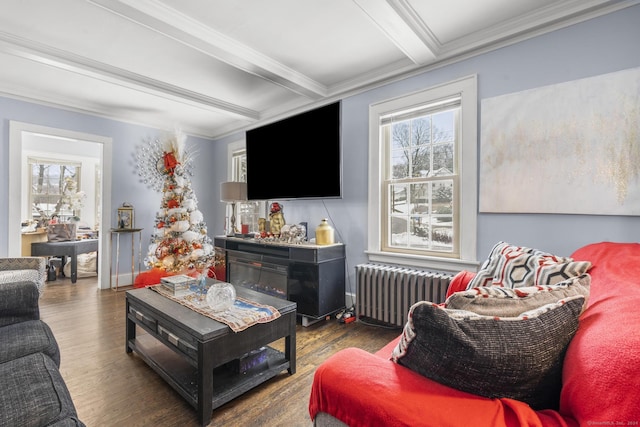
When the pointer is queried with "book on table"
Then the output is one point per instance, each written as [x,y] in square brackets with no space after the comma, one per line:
[179,284]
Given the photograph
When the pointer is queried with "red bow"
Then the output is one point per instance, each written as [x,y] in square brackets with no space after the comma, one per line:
[170,161]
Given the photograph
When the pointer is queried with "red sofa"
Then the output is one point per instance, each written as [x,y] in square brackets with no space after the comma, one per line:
[600,374]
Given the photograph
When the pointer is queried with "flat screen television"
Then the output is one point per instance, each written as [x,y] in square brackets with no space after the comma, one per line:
[299,157]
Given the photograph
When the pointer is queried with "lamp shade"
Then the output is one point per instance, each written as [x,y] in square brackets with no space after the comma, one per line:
[233,191]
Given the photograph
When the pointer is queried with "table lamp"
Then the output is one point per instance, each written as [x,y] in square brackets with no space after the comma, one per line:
[233,192]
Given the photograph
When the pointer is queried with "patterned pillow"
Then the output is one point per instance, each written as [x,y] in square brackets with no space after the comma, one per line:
[505,302]
[512,266]
[514,357]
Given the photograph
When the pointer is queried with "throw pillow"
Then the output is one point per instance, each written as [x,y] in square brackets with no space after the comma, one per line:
[518,266]
[514,357]
[505,302]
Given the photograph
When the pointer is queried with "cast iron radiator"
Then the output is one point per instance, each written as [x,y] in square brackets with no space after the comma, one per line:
[385,293]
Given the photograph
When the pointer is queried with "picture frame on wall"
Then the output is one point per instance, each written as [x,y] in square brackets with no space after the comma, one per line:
[125,217]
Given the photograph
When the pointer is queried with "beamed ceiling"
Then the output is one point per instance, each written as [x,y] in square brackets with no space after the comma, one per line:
[218,66]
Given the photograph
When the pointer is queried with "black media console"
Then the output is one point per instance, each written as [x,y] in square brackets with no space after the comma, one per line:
[313,276]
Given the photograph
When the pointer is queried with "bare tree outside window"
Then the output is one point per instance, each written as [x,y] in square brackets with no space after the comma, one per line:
[422,198]
[421,187]
[50,182]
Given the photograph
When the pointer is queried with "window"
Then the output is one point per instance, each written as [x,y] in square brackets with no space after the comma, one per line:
[239,165]
[423,173]
[247,212]
[53,186]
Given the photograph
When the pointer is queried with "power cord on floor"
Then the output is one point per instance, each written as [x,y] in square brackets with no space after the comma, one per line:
[378,324]
[347,315]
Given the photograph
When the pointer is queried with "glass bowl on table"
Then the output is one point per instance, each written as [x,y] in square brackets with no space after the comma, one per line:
[220,296]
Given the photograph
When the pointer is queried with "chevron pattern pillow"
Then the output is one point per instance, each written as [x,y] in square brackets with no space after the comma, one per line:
[514,357]
[513,266]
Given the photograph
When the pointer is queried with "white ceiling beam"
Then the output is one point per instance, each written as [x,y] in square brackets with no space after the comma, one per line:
[68,61]
[397,21]
[172,23]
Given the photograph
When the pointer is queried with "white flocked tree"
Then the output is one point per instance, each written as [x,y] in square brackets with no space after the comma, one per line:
[179,241]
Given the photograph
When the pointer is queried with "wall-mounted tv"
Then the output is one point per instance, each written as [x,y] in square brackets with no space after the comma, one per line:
[299,157]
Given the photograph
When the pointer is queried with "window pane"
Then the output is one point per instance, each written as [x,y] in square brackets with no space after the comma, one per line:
[444,142]
[443,126]
[399,235]
[400,135]
[421,161]
[443,159]
[421,130]
[398,199]
[442,237]
[400,163]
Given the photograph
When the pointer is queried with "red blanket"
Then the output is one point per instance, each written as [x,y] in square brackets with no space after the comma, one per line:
[602,366]
[601,369]
[362,390]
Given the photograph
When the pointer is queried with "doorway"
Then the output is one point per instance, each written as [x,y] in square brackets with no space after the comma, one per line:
[20,133]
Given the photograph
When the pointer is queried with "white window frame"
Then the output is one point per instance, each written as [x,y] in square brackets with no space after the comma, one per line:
[467,156]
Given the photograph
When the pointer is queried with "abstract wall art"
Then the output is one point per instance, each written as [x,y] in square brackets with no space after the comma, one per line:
[567,148]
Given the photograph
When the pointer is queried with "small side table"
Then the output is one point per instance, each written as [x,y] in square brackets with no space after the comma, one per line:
[117,232]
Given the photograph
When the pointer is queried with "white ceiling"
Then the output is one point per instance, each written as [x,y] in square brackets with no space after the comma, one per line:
[217,66]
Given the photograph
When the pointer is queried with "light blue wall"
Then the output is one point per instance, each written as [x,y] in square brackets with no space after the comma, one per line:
[599,46]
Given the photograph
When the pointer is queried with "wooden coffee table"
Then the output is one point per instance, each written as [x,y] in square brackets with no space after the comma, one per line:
[188,350]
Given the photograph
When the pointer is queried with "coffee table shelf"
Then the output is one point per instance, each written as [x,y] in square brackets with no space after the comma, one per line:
[183,377]
[192,352]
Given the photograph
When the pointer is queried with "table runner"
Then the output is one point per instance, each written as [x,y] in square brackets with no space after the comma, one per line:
[240,316]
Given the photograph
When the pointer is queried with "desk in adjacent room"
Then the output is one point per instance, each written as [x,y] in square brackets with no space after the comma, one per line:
[32,237]
[64,249]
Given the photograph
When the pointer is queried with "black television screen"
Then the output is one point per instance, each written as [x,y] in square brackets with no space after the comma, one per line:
[296,158]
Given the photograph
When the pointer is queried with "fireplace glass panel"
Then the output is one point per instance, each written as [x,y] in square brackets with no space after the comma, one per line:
[263,277]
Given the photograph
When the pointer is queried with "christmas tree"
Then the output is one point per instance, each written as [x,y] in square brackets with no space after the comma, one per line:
[179,241]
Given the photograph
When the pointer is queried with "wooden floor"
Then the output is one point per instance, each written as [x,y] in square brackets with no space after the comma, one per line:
[112,388]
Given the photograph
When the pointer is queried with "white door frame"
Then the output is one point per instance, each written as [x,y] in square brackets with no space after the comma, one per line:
[16,130]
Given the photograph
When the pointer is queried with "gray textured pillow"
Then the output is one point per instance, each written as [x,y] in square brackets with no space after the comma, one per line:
[505,302]
[515,357]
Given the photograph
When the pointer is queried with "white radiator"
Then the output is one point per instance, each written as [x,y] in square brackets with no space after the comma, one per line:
[385,293]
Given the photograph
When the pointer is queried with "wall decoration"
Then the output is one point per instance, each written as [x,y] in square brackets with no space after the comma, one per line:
[568,148]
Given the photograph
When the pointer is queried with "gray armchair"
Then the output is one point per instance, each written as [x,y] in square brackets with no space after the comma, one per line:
[23,269]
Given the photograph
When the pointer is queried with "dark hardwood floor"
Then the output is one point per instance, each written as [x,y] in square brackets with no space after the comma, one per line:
[112,388]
